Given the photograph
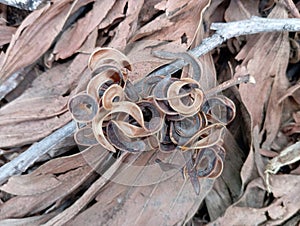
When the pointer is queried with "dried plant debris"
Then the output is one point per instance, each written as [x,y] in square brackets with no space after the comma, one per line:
[288,156]
[155,148]
[169,113]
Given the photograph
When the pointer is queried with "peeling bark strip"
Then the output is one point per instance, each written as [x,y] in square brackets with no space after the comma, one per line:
[25,4]
[224,31]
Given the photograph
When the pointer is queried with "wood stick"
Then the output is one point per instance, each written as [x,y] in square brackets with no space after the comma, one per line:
[225,31]
[21,163]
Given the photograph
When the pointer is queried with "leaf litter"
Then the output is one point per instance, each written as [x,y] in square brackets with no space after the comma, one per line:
[218,176]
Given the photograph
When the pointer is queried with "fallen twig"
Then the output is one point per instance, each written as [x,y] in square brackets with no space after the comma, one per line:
[224,31]
[21,163]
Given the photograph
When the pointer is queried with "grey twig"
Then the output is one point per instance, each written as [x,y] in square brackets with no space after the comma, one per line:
[25,4]
[224,31]
[31,155]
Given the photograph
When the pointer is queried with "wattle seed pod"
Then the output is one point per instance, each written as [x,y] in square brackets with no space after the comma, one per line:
[167,114]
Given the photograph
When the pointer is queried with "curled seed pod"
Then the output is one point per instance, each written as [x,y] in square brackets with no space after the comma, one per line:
[182,131]
[130,92]
[121,142]
[147,85]
[101,81]
[209,161]
[189,105]
[134,145]
[205,162]
[165,142]
[206,137]
[160,95]
[294,51]
[190,171]
[157,112]
[112,94]
[104,56]
[152,118]
[189,126]
[85,136]
[188,58]
[83,107]
[103,115]
[220,109]
[218,169]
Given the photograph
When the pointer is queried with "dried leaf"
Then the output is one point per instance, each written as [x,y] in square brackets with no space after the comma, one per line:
[6,34]
[178,206]
[33,115]
[186,24]
[223,194]
[241,10]
[75,36]
[143,61]
[40,27]
[270,80]
[115,13]
[33,221]
[282,208]
[69,177]
[159,23]
[30,185]
[27,132]
[128,26]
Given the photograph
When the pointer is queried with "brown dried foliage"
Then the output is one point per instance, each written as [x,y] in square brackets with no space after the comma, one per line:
[154,146]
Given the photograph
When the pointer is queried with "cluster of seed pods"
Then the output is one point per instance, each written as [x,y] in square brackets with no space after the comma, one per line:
[158,113]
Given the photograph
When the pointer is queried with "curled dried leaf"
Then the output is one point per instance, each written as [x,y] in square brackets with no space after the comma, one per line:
[85,136]
[220,109]
[104,77]
[112,94]
[188,105]
[104,56]
[188,58]
[83,107]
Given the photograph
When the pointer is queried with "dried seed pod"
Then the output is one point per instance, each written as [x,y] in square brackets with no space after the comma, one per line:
[220,109]
[188,58]
[102,80]
[112,94]
[85,136]
[108,56]
[83,107]
[122,142]
[160,95]
[188,105]
[157,112]
[206,137]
